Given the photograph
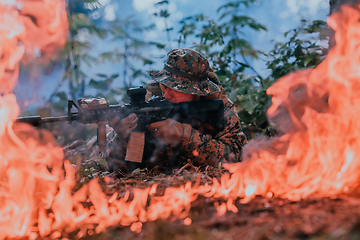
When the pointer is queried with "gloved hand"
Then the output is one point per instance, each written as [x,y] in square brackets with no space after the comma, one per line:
[123,127]
[169,132]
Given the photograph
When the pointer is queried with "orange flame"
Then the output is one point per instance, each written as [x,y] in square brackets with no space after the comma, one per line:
[317,154]
[321,155]
[11,31]
[46,24]
[27,187]
[29,25]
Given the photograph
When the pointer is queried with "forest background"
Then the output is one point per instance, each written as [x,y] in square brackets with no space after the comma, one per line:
[249,43]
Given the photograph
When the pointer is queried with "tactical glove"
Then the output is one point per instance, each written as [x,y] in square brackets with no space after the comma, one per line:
[123,127]
[170,132]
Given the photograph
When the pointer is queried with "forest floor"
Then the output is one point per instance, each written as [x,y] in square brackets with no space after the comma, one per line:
[336,217]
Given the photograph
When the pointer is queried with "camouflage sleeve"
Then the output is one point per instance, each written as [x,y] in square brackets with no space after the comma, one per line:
[115,151]
[226,146]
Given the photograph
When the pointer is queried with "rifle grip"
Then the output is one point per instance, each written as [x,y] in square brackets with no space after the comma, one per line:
[101,136]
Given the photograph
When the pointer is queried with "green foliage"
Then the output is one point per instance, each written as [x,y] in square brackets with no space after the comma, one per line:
[164,13]
[224,43]
[77,52]
[126,32]
[227,32]
[59,101]
[248,93]
[302,50]
[103,87]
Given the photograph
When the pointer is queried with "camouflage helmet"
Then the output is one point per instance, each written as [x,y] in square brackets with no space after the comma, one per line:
[186,71]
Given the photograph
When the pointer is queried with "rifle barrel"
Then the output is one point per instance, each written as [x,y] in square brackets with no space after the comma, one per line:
[37,120]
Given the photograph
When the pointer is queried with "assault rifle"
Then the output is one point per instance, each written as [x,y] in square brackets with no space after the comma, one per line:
[99,111]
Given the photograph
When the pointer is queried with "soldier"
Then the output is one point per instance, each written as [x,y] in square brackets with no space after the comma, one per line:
[186,76]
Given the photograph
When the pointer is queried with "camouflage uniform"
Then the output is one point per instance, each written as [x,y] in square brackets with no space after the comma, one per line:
[203,148]
[186,71]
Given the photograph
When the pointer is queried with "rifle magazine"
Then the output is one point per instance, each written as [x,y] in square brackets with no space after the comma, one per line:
[135,147]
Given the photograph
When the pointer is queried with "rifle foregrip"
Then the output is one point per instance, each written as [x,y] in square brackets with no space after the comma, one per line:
[101,136]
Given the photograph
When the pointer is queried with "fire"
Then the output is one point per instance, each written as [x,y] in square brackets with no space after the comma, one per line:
[27,187]
[316,154]
[31,25]
[322,154]
[44,32]
[11,31]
